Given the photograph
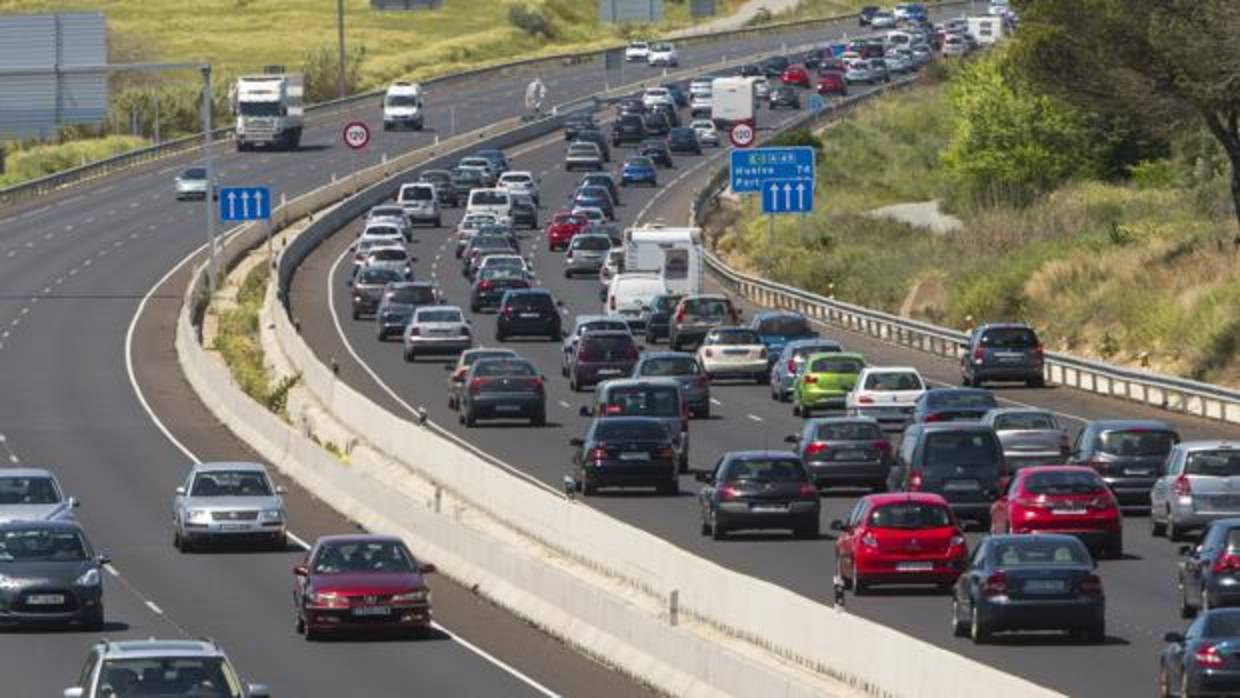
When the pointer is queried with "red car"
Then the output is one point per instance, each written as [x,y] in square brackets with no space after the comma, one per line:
[1061,499]
[900,538]
[832,84]
[361,582]
[562,228]
[795,75]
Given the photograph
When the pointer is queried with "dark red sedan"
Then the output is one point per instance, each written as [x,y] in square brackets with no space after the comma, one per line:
[562,228]
[1061,499]
[795,75]
[832,84]
[361,583]
[900,538]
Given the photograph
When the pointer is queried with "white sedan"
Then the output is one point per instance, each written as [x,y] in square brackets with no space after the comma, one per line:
[663,54]
[734,352]
[637,51]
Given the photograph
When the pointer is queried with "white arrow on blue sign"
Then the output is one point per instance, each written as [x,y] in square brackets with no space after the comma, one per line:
[788,196]
[245,203]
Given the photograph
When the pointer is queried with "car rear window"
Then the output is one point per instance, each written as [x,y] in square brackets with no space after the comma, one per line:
[837,364]
[504,367]
[1222,622]
[386,231]
[893,381]
[488,198]
[371,277]
[643,401]
[417,194]
[1009,338]
[389,255]
[707,307]
[911,515]
[414,295]
[531,301]
[735,337]
[639,162]
[1063,482]
[962,399]
[628,430]
[602,326]
[671,366]
[849,431]
[784,326]
[591,242]
[766,470]
[439,315]
[803,352]
[947,449]
[1025,421]
[469,359]
[1213,463]
[1136,442]
[607,344]
[1028,551]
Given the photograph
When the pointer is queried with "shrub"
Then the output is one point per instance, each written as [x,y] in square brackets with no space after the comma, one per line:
[531,20]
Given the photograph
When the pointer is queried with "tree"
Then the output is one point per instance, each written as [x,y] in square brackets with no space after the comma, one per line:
[1174,64]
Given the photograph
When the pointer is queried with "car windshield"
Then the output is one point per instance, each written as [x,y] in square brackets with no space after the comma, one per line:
[231,483]
[1028,551]
[661,47]
[413,295]
[28,490]
[402,101]
[1063,482]
[784,326]
[42,544]
[436,177]
[439,315]
[629,430]
[489,198]
[582,149]
[849,431]
[504,367]
[377,277]
[735,337]
[643,401]
[1213,463]
[418,193]
[591,242]
[260,109]
[837,364]
[910,515]
[671,366]
[363,556]
[1009,338]
[389,255]
[893,381]
[387,212]
[962,399]
[194,173]
[516,178]
[467,176]
[1016,421]
[1136,442]
[766,470]
[960,448]
[168,677]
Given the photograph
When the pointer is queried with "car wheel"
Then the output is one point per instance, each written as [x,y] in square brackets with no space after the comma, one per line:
[451,402]
[959,627]
[704,413]
[796,409]
[1175,534]
[807,412]
[94,622]
[1039,382]
[409,355]
[176,538]
[860,587]
[589,489]
[809,531]
[1164,691]
[470,420]
[572,384]
[763,378]
[279,542]
[978,631]
[717,531]
[299,625]
[1157,528]
[1187,610]
[705,528]
[313,635]
[381,335]
[1094,634]
[1115,549]
[670,489]
[539,420]
[357,315]
[682,465]
[438,222]
[499,336]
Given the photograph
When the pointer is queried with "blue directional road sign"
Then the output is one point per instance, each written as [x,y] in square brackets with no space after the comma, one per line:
[752,168]
[245,203]
[788,195]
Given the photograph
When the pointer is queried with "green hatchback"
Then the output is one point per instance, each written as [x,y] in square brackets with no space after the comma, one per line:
[824,382]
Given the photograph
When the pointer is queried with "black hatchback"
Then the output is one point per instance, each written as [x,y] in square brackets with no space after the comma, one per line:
[962,462]
[684,140]
[625,452]
[657,151]
[629,128]
[528,312]
[785,96]
[759,490]
[774,66]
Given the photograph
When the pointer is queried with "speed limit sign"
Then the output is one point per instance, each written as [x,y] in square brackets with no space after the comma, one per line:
[742,135]
[356,135]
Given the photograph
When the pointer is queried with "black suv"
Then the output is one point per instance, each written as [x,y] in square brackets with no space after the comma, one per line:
[684,140]
[629,128]
[1002,352]
[529,312]
[574,125]
[961,462]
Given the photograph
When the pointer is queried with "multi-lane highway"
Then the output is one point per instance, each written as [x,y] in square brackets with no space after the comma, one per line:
[1140,587]
[74,268]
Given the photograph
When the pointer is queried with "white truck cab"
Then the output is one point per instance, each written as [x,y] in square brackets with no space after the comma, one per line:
[269,110]
[402,106]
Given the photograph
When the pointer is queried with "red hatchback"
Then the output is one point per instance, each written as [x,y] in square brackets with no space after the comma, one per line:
[1061,499]
[900,538]
[562,228]
[361,582]
[832,84]
[795,75]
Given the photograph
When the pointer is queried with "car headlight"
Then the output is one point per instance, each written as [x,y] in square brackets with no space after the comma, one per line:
[199,515]
[89,578]
[327,598]
[422,596]
[270,515]
[8,583]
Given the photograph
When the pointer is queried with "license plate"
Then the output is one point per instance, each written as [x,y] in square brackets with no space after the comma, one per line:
[609,371]
[372,611]
[914,566]
[769,508]
[961,486]
[1138,471]
[528,316]
[233,527]
[851,455]
[507,408]
[1068,511]
[735,352]
[45,599]
[635,455]
[1044,586]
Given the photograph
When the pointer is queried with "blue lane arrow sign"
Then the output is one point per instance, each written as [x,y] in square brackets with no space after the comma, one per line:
[245,203]
[788,196]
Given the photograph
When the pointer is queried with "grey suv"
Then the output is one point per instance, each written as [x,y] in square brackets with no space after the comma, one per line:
[963,462]
[228,501]
[1202,484]
[160,668]
[1002,352]
[1128,454]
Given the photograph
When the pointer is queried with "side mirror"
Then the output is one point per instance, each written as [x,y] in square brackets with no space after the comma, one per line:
[75,502]
[257,690]
[75,692]
[301,571]
[1186,550]
[281,489]
[585,411]
[838,525]
[577,442]
[1172,637]
[103,559]
[427,568]
[703,476]
[181,491]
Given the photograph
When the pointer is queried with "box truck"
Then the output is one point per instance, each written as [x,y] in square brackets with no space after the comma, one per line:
[734,100]
[675,253]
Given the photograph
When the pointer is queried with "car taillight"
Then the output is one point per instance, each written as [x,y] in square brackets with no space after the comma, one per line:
[1227,563]
[1183,487]
[597,454]
[915,481]
[1208,655]
[883,446]
[816,448]
[1032,502]
[485,286]
[865,400]
[728,492]
[700,382]
[996,584]
[792,366]
[1038,352]
[1100,466]
[810,379]
[506,311]
[935,417]
[808,491]
[665,452]
[538,382]
[709,353]
[979,355]
[1091,585]
[459,375]
[414,331]
[680,315]
[869,540]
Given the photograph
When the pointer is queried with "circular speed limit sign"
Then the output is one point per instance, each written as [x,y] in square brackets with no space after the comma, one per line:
[742,135]
[356,135]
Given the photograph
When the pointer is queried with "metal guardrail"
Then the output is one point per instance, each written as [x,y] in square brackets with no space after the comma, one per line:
[1156,390]
[92,170]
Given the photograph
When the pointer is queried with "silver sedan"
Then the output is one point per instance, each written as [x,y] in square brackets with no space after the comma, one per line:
[438,329]
[233,501]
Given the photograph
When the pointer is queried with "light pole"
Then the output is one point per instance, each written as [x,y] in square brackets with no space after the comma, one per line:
[206,164]
[340,38]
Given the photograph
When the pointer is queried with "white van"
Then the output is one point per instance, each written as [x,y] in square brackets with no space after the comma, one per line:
[675,254]
[495,201]
[630,293]
[420,203]
[402,106]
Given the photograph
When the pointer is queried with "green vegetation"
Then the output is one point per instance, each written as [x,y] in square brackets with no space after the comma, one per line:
[41,160]
[1111,242]
[238,343]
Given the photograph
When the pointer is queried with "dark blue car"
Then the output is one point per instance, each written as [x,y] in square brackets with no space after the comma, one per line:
[953,405]
[639,170]
[678,95]
[594,197]
[778,327]
[1202,661]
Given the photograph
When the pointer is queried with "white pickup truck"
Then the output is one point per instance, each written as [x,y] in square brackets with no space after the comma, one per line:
[887,394]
